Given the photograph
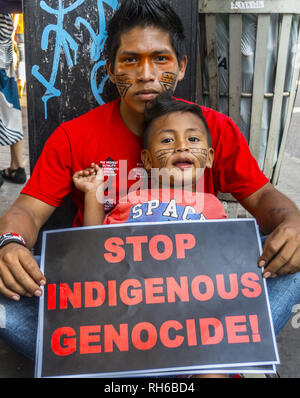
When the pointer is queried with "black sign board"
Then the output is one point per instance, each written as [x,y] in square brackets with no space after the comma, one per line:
[148,299]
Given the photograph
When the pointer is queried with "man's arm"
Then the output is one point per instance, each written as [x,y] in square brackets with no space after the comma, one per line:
[279,217]
[19,272]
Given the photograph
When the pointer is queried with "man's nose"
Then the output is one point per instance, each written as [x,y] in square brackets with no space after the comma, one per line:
[146,70]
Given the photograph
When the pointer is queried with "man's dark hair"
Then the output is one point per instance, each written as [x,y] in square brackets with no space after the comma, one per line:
[164,104]
[144,13]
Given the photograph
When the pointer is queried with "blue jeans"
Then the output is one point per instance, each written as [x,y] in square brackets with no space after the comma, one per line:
[22,316]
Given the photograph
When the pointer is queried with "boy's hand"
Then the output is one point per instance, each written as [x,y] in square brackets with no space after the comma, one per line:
[89,179]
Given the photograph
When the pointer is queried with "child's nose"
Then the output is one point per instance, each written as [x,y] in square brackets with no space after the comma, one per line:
[181,145]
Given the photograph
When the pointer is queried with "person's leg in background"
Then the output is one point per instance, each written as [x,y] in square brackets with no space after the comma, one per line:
[11,126]
[16,172]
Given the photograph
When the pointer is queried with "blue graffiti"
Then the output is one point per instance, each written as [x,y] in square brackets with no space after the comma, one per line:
[97,46]
[66,44]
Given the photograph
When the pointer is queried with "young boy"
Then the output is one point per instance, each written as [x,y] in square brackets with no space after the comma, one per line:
[177,150]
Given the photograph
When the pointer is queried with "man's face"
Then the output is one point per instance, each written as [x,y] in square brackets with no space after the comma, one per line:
[178,144]
[145,65]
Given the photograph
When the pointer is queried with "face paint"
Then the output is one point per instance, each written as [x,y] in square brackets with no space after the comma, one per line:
[168,81]
[144,57]
[201,151]
[201,154]
[178,144]
[163,155]
[123,83]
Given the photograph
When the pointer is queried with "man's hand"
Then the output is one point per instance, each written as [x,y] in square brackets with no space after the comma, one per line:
[278,217]
[20,274]
[281,251]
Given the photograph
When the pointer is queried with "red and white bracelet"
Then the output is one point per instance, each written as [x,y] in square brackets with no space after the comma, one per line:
[11,237]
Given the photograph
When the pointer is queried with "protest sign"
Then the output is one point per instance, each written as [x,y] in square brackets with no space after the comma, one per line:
[159,298]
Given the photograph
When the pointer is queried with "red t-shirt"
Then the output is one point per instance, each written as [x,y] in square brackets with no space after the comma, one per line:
[160,205]
[101,136]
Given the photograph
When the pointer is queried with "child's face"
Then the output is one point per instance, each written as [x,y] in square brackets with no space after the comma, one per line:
[178,144]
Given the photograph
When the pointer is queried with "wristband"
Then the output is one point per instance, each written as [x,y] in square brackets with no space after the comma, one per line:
[11,237]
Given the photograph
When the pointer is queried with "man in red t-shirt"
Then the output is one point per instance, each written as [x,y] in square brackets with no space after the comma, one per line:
[145,56]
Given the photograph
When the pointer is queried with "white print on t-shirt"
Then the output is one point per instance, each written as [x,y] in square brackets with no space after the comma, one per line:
[109,167]
[116,177]
[160,210]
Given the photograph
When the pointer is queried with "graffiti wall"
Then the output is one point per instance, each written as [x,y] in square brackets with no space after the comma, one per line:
[64,45]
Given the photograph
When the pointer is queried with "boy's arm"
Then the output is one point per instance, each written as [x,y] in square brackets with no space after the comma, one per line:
[93,209]
[279,217]
[90,181]
[19,272]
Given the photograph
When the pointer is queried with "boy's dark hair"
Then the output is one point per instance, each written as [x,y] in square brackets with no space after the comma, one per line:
[144,13]
[164,104]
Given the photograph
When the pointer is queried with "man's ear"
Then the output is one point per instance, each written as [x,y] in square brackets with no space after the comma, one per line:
[146,159]
[182,68]
[210,158]
[110,72]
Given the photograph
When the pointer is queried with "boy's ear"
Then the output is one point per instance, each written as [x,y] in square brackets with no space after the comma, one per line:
[210,158]
[110,72]
[146,159]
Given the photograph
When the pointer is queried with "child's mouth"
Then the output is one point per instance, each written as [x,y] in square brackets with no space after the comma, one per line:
[183,164]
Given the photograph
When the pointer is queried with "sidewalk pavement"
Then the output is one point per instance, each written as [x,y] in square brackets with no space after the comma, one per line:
[14,365]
